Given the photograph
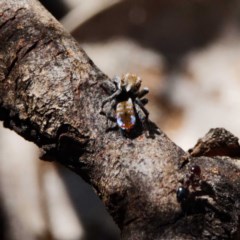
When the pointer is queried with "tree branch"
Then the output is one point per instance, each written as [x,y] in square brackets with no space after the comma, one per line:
[51,93]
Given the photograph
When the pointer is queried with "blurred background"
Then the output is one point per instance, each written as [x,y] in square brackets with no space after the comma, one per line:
[188,54]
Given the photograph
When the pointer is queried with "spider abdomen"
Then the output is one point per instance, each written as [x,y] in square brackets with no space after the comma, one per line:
[125,115]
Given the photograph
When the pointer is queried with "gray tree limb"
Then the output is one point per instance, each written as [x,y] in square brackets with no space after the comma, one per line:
[51,93]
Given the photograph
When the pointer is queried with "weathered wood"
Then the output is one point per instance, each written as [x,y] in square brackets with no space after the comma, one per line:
[51,93]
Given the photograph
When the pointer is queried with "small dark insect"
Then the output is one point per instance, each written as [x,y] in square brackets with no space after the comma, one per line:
[192,179]
[195,170]
[123,101]
[182,194]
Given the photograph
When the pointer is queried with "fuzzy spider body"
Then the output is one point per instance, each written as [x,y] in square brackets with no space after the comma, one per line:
[123,101]
[125,115]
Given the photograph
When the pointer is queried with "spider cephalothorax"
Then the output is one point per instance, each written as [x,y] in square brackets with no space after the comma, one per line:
[123,100]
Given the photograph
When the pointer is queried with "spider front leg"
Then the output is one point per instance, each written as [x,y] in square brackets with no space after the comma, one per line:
[109,99]
[143,92]
[117,81]
[141,105]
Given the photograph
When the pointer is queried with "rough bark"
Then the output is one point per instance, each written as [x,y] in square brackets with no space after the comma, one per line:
[51,92]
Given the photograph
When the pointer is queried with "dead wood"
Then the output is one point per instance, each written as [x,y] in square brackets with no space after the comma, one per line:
[51,93]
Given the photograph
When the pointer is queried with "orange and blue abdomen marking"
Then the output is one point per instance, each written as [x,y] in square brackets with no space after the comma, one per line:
[125,115]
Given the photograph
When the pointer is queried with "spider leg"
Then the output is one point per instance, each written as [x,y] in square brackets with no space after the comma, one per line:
[108,115]
[141,105]
[143,92]
[109,99]
[116,81]
[144,101]
[113,106]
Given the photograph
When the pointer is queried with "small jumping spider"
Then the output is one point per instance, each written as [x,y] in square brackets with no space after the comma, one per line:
[123,100]
[192,179]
